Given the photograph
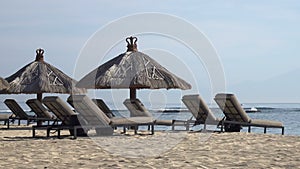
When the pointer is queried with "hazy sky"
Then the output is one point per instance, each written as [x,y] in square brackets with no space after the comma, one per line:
[256,41]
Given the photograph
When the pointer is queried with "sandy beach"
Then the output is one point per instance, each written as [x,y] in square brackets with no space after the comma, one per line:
[164,149]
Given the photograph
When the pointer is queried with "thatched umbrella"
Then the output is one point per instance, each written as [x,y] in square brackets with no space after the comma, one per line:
[3,84]
[39,77]
[133,70]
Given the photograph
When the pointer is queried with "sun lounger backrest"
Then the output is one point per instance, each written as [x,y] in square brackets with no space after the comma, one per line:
[38,108]
[88,110]
[198,108]
[60,109]
[16,108]
[232,109]
[101,104]
[136,108]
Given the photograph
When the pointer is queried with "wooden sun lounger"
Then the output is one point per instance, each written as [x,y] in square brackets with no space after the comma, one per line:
[38,108]
[93,115]
[102,105]
[69,119]
[200,110]
[236,116]
[19,113]
[137,109]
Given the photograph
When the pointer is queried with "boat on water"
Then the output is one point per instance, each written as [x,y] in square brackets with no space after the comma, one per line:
[172,110]
[252,110]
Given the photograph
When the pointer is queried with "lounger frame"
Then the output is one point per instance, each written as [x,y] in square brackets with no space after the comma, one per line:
[92,114]
[200,110]
[137,109]
[20,114]
[235,114]
[66,117]
[249,125]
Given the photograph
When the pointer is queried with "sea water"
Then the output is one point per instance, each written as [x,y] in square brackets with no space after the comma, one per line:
[288,114]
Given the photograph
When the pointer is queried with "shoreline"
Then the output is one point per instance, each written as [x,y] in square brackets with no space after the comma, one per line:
[164,149]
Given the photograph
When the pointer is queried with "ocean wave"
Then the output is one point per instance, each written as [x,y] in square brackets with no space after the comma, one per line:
[266,108]
[273,109]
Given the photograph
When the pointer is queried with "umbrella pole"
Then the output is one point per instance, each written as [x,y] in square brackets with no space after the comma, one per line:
[132,93]
[132,97]
[39,97]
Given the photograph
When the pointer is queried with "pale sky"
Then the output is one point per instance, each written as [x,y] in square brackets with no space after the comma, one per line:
[256,41]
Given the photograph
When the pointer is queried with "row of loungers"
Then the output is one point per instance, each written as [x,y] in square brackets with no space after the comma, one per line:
[99,117]
[235,116]
[67,118]
[89,116]
[19,114]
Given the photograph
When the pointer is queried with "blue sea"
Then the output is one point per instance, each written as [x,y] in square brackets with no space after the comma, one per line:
[288,114]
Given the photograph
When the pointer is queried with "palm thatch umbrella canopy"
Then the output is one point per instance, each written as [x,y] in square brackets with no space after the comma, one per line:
[39,77]
[133,70]
[3,84]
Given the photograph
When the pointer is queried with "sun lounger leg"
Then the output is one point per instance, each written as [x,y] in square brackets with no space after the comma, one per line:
[58,133]
[152,129]
[7,124]
[222,126]
[282,131]
[19,122]
[187,125]
[135,129]
[33,132]
[249,129]
[75,133]
[48,132]
[124,129]
[265,129]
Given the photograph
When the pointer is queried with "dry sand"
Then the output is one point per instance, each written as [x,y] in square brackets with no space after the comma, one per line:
[161,150]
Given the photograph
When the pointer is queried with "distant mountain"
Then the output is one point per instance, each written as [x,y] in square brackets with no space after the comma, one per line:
[284,88]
